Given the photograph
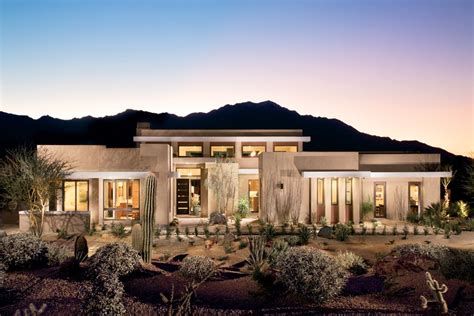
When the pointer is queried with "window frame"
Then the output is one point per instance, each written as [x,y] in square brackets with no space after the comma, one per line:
[418,184]
[75,195]
[114,199]
[220,145]
[337,191]
[263,144]
[198,144]
[351,190]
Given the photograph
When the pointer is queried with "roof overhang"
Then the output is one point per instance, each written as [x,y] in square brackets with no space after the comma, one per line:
[162,139]
[108,174]
[369,174]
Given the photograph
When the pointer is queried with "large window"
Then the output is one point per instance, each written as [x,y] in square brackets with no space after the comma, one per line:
[222,150]
[76,195]
[121,199]
[334,191]
[252,150]
[414,197]
[320,191]
[287,148]
[348,191]
[190,150]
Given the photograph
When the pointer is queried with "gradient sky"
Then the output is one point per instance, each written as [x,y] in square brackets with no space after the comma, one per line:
[402,69]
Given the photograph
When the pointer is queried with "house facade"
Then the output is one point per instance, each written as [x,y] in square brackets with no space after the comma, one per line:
[271,170]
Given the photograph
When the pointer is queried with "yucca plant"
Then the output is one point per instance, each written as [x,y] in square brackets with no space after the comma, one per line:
[257,255]
[304,235]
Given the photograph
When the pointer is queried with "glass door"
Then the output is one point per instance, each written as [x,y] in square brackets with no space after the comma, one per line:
[414,197]
[380,206]
[254,188]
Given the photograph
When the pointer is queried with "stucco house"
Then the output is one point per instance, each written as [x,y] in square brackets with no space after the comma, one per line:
[272,170]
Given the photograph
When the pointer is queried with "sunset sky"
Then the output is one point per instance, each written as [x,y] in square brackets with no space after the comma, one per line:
[402,69]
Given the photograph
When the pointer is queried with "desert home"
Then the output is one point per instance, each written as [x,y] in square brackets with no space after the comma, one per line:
[269,168]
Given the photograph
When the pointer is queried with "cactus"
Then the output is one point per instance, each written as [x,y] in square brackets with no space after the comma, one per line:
[81,250]
[437,293]
[137,238]
[148,217]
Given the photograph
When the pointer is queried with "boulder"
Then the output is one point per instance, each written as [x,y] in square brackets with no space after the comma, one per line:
[325,232]
[217,219]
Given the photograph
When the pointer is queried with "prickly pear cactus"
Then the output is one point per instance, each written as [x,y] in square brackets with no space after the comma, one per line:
[137,238]
[81,250]
[148,218]
[437,293]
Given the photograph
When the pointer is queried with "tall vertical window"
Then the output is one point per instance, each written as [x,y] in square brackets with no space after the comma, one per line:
[75,195]
[320,191]
[348,191]
[121,199]
[414,197]
[334,191]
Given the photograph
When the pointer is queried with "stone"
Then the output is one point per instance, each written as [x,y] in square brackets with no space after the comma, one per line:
[325,232]
[217,219]
[180,257]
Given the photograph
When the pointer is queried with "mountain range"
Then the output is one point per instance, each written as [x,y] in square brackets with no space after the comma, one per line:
[118,130]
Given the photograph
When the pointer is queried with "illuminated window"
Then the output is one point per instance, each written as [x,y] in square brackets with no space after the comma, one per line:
[334,191]
[252,150]
[348,191]
[189,172]
[222,150]
[121,199]
[75,195]
[414,197]
[320,191]
[190,150]
[286,148]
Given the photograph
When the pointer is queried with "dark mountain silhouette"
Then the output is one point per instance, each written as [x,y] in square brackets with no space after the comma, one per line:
[118,130]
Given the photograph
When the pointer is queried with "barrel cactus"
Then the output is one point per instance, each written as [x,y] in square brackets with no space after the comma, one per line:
[148,218]
[137,238]
[81,250]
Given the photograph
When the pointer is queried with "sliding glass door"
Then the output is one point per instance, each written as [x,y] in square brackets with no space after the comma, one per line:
[121,199]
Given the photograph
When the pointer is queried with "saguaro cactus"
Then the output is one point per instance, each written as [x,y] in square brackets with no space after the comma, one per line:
[148,218]
[81,250]
[437,293]
[137,238]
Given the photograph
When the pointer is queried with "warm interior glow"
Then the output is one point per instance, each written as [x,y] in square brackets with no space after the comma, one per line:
[286,148]
[190,151]
[252,150]
[222,150]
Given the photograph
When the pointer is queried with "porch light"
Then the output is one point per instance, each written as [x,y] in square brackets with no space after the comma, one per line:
[253,154]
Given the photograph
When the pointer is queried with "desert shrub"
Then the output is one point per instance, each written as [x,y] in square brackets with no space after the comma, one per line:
[342,232]
[278,248]
[351,262]
[197,267]
[243,244]
[458,264]
[310,273]
[447,230]
[268,231]
[105,297]
[118,230]
[22,251]
[304,235]
[257,254]
[55,254]
[413,217]
[115,258]
[292,240]
[366,208]
[3,274]
[470,224]
[238,228]
[434,215]
[433,251]
[323,221]
[243,207]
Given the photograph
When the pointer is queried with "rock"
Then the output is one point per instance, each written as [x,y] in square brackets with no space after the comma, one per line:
[325,232]
[180,257]
[3,233]
[217,219]
[208,243]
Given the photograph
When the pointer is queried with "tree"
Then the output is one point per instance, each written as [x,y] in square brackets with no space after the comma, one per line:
[467,182]
[31,178]
[223,180]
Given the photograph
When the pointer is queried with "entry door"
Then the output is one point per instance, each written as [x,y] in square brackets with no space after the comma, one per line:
[182,196]
[379,198]
[254,188]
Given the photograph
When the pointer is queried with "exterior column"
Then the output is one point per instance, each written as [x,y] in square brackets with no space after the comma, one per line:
[341,182]
[327,200]
[356,198]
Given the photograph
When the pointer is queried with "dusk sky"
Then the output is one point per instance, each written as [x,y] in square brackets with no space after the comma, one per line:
[402,69]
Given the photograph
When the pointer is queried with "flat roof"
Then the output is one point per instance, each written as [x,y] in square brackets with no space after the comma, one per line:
[191,139]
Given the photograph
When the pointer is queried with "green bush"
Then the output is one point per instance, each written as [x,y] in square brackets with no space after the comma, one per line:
[366,208]
[458,264]
[432,251]
[118,230]
[310,273]
[342,232]
[105,297]
[23,250]
[115,258]
[243,207]
[304,235]
[268,231]
[278,248]
[55,254]
[197,267]
[351,262]
[434,215]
